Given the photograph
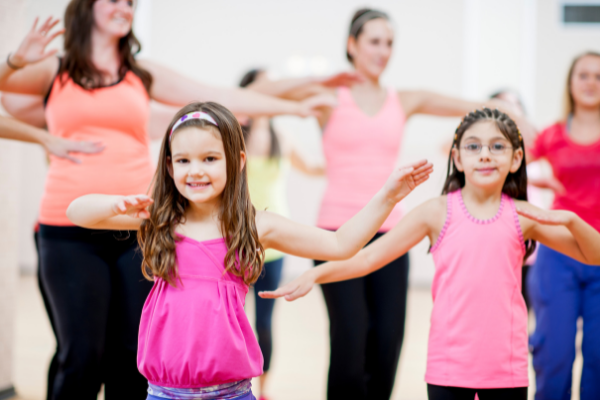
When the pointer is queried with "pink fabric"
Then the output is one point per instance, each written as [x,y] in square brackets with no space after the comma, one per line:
[361,153]
[478,336]
[577,167]
[198,334]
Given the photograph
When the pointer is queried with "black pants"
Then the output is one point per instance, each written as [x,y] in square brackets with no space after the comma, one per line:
[96,292]
[435,392]
[366,328]
[269,280]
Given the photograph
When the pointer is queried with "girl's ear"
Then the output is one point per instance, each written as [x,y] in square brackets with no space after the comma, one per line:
[242,160]
[170,167]
[456,159]
[517,160]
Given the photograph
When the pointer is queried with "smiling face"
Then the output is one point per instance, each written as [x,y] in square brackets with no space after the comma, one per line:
[585,82]
[113,17]
[198,164]
[484,169]
[372,50]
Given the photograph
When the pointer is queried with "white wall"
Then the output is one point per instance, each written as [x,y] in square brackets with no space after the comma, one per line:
[456,47]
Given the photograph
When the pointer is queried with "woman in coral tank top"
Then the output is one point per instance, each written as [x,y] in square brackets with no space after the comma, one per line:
[101,93]
[362,137]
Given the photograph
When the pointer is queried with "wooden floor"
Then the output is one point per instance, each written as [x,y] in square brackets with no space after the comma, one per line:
[299,365]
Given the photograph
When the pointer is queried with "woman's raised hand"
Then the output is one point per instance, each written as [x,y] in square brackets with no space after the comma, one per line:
[405,179]
[136,206]
[33,47]
[312,106]
[63,148]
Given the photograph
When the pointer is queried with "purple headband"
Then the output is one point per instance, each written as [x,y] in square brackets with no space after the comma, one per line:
[192,115]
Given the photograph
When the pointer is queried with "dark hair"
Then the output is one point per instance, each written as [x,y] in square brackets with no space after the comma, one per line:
[569,102]
[515,185]
[157,237]
[275,151]
[356,26]
[77,63]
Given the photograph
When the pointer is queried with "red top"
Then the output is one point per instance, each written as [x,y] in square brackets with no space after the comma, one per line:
[577,167]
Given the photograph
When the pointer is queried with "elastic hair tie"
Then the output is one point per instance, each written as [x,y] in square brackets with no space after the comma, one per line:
[192,115]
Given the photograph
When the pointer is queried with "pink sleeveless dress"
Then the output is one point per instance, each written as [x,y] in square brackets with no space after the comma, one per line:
[478,334]
[361,153]
[197,334]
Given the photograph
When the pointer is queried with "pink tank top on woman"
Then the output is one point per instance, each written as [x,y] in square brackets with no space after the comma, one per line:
[478,334]
[361,153]
[197,334]
[115,115]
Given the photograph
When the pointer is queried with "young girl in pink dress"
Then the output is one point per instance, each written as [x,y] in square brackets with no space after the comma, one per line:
[481,229]
[203,243]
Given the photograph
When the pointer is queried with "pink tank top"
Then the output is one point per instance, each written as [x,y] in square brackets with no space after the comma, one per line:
[478,334]
[361,153]
[197,334]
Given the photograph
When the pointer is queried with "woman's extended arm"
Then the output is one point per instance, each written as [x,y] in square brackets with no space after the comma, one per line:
[172,88]
[562,231]
[301,88]
[425,102]
[407,233]
[16,130]
[305,241]
[103,211]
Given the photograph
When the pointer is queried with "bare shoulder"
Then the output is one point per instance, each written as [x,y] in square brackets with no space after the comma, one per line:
[435,211]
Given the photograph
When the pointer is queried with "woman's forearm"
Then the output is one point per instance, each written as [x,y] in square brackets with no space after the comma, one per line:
[16,130]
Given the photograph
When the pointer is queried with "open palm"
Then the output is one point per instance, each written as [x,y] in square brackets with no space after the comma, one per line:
[33,46]
[404,180]
[136,206]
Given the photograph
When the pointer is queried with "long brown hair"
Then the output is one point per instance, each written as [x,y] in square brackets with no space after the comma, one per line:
[515,185]
[569,102]
[77,62]
[157,236]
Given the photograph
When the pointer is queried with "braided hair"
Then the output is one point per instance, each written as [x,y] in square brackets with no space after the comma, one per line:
[515,185]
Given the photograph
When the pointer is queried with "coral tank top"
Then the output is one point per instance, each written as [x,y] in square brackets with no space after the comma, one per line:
[115,115]
[478,334]
[361,153]
[197,334]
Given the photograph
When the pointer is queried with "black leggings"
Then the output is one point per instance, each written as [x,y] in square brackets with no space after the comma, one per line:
[269,280]
[435,392]
[96,292]
[366,329]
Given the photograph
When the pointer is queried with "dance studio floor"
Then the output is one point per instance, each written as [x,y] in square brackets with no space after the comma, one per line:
[299,366]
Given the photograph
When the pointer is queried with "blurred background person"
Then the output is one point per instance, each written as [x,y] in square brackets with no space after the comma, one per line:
[562,289]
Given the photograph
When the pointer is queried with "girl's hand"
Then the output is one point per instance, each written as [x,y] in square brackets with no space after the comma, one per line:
[342,79]
[299,287]
[63,148]
[32,48]
[310,107]
[547,217]
[406,179]
[136,206]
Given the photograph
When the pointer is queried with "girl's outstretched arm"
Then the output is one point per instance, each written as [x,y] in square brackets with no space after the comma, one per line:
[563,231]
[103,211]
[417,224]
[289,237]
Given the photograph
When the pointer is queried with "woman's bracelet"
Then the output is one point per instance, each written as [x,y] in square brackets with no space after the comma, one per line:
[11,65]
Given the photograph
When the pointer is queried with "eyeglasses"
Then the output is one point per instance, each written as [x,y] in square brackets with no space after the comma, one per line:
[494,148]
